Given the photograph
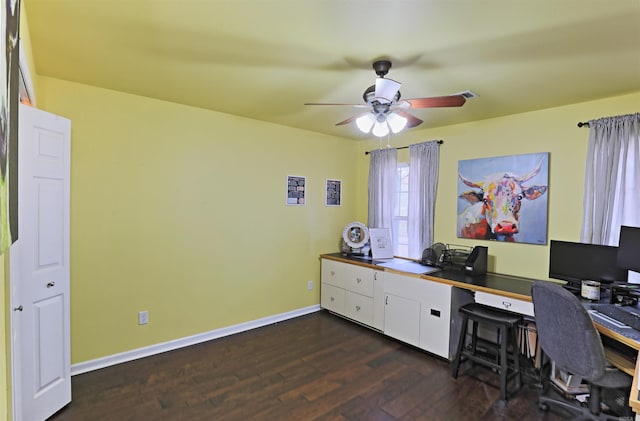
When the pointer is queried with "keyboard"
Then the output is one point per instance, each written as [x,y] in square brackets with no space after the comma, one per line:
[617,313]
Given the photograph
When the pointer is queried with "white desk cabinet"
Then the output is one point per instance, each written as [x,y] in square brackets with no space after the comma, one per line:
[423,313]
[353,291]
[416,311]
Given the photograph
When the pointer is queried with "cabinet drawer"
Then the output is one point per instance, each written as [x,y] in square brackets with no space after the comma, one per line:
[505,303]
[333,273]
[332,298]
[359,308]
[360,280]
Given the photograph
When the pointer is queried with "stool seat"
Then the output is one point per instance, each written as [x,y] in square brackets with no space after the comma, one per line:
[506,324]
[491,315]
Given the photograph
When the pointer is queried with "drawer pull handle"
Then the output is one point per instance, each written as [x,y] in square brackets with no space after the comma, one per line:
[358,280]
[357,308]
[333,272]
[332,299]
[386,300]
[435,312]
[506,304]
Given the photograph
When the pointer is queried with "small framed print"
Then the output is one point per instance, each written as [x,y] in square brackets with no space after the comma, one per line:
[334,193]
[296,186]
[381,244]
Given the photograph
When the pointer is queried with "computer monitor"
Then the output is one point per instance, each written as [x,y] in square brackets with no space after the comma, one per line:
[575,262]
[629,248]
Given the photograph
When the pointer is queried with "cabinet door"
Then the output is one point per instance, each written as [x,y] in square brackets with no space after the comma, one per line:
[435,319]
[332,298]
[333,273]
[402,319]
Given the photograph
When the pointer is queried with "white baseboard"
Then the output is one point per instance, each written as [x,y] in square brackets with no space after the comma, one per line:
[135,354]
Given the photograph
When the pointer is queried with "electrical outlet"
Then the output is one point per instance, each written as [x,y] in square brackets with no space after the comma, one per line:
[310,285]
[143,317]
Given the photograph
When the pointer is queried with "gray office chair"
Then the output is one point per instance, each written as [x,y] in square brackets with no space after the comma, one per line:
[569,338]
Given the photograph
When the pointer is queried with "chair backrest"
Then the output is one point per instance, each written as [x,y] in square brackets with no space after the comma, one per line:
[566,332]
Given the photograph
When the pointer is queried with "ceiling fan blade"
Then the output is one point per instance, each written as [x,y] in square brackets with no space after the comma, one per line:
[412,121]
[339,105]
[349,120]
[386,89]
[437,101]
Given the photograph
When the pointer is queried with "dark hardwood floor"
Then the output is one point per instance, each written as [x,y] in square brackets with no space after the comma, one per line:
[314,367]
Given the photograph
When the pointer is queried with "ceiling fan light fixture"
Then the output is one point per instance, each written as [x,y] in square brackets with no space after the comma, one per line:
[380,128]
[396,122]
[365,122]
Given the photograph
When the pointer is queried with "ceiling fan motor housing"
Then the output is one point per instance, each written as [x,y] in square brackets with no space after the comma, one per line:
[382,67]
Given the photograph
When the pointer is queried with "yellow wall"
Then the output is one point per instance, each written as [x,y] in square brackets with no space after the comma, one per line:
[181,211]
[551,130]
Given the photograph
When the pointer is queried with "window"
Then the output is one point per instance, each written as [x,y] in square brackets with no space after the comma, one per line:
[400,212]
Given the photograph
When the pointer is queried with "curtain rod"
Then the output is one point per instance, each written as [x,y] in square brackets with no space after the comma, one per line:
[581,124]
[440,142]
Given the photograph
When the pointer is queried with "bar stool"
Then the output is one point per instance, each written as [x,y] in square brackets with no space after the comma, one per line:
[506,324]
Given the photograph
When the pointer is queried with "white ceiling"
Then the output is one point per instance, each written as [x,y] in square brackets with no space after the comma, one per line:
[264,59]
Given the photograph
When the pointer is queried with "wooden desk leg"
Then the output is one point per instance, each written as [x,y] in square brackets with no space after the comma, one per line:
[634,398]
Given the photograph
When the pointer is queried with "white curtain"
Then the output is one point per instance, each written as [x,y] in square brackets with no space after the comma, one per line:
[612,178]
[383,172]
[423,186]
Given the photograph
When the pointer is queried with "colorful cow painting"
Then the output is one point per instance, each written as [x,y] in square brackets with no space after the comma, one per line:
[498,205]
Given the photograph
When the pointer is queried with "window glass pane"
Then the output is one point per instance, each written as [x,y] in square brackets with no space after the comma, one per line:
[403,204]
[400,233]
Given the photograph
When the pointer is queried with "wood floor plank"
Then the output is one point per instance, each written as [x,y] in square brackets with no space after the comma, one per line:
[314,367]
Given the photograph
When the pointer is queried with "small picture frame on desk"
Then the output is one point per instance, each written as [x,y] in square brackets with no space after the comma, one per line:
[381,244]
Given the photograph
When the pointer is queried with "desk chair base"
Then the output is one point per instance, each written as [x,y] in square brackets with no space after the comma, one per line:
[587,411]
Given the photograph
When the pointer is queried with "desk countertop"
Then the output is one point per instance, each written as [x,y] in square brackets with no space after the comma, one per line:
[507,285]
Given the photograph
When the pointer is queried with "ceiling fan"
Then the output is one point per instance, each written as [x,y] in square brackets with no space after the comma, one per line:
[385,111]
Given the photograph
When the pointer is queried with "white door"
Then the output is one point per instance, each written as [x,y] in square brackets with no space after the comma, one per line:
[39,271]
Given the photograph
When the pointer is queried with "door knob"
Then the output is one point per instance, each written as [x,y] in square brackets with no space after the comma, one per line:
[51,284]
[19,308]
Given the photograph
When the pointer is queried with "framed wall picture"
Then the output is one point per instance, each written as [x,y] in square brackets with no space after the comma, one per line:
[296,186]
[504,198]
[333,193]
